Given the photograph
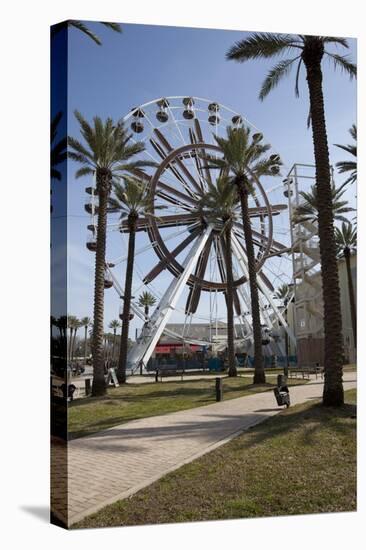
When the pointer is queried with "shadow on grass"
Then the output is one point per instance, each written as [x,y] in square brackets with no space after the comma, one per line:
[220,426]
[316,416]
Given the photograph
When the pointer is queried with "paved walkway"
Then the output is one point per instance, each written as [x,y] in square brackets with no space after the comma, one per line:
[117,462]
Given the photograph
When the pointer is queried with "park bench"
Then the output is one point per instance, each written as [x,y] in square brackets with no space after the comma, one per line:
[306,371]
[303,372]
[168,370]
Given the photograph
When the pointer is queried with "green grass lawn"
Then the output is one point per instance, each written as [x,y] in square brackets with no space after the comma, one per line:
[132,401]
[300,461]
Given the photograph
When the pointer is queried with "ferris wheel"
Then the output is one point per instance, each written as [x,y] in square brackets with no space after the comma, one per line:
[180,259]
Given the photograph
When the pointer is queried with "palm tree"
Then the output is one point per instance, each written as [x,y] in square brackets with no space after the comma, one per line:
[114,325]
[73,325]
[85,322]
[107,153]
[308,210]
[346,241]
[58,150]
[84,29]
[282,293]
[349,165]
[130,200]
[310,51]
[244,161]
[146,300]
[219,203]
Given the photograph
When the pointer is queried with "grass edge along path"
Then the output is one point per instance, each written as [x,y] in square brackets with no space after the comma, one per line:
[301,461]
[135,401]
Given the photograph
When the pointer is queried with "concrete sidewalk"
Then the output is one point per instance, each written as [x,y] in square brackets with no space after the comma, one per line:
[117,462]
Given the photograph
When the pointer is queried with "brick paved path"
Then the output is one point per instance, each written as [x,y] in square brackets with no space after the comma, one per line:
[117,462]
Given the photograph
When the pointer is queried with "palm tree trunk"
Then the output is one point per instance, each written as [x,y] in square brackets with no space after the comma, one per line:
[287,362]
[73,344]
[333,341]
[351,293]
[259,374]
[229,301]
[85,343]
[99,386]
[114,342]
[122,360]
[70,343]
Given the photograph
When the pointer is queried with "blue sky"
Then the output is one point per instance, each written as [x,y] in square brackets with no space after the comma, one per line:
[147,62]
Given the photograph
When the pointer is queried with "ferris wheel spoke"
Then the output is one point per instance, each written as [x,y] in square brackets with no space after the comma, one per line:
[177,161]
[197,160]
[195,291]
[187,200]
[261,240]
[198,129]
[172,168]
[161,221]
[222,255]
[260,211]
[160,266]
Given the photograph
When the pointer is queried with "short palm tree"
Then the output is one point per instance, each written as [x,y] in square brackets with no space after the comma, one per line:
[310,52]
[219,203]
[282,292]
[146,300]
[346,240]
[85,29]
[107,153]
[130,200]
[308,210]
[244,161]
[349,165]
[114,325]
[85,322]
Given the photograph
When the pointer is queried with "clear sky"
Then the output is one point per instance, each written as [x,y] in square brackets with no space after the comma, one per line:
[147,62]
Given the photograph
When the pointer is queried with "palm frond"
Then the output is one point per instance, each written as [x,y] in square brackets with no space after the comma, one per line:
[113,26]
[261,45]
[84,171]
[297,92]
[84,29]
[282,69]
[342,62]
[335,40]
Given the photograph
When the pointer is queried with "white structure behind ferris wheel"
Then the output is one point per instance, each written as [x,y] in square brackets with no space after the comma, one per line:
[308,314]
[177,132]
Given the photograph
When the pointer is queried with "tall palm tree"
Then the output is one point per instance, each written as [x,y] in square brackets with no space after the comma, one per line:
[114,325]
[146,300]
[310,51]
[244,161]
[72,325]
[282,293]
[76,327]
[131,200]
[346,241]
[349,165]
[85,322]
[308,210]
[59,149]
[85,29]
[219,203]
[107,153]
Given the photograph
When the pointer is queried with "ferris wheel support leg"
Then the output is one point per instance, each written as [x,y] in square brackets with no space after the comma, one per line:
[263,289]
[141,351]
